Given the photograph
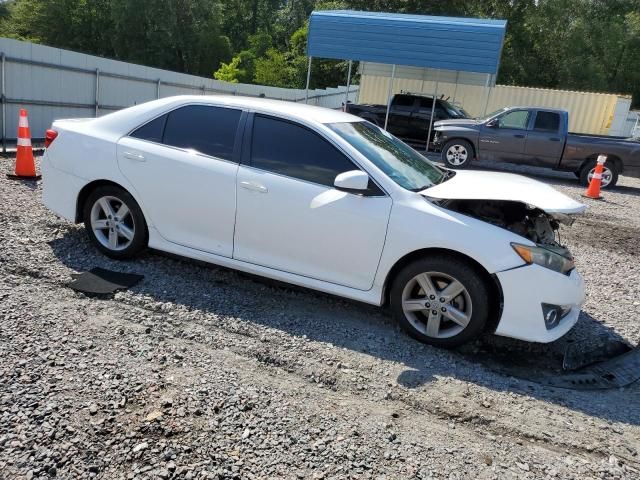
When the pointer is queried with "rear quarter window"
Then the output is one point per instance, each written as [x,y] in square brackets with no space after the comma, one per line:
[151,131]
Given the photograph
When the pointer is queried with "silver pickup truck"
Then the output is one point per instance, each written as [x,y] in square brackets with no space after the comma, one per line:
[538,137]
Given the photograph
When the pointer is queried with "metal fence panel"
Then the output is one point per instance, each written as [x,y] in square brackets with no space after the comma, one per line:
[54,83]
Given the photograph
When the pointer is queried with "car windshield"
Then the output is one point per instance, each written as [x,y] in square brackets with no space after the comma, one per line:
[395,158]
[491,115]
[454,111]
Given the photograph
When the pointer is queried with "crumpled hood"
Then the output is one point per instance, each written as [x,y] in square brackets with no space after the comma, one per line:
[477,185]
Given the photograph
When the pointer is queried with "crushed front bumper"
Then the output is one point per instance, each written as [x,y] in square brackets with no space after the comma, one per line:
[525,289]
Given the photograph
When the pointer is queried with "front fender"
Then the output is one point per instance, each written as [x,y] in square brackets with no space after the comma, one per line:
[418,224]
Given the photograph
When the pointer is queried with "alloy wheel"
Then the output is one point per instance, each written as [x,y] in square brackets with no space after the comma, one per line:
[112,223]
[437,304]
[607,176]
[457,155]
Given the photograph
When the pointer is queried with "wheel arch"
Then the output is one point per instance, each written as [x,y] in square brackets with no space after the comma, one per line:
[496,301]
[91,186]
[617,161]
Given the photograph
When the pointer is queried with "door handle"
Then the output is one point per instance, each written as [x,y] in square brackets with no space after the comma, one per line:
[253,186]
[554,139]
[519,135]
[134,156]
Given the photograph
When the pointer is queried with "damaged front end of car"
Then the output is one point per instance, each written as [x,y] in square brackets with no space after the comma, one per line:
[522,219]
[529,222]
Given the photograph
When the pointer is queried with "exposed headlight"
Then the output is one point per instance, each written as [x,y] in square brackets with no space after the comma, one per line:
[545,258]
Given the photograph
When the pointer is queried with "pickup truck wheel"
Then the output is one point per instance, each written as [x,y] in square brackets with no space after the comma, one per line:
[457,154]
[441,301]
[609,175]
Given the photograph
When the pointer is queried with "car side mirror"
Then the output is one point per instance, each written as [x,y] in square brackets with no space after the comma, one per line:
[354,181]
[492,124]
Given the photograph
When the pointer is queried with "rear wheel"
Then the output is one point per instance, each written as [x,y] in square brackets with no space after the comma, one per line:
[609,175]
[441,301]
[457,154]
[114,222]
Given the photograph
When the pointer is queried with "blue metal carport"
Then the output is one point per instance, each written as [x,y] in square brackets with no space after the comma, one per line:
[447,43]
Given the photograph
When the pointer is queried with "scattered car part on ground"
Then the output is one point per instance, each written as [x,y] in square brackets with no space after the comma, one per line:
[617,372]
[582,354]
[100,281]
[538,137]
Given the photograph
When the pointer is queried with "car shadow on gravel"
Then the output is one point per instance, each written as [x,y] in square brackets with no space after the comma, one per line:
[254,301]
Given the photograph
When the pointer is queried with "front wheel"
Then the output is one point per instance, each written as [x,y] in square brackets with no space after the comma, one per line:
[609,174]
[441,301]
[457,154]
[114,222]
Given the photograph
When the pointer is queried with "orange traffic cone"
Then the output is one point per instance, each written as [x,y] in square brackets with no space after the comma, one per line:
[25,164]
[594,185]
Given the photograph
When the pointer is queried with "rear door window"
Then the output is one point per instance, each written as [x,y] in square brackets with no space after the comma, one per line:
[294,151]
[403,102]
[547,122]
[426,103]
[205,129]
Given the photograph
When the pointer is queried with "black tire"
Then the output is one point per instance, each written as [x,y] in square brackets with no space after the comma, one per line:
[463,147]
[477,292]
[591,164]
[135,220]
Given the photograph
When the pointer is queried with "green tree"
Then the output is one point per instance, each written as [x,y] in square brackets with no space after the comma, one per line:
[229,72]
[276,70]
[242,68]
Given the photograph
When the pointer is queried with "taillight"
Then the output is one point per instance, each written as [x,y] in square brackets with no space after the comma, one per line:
[49,137]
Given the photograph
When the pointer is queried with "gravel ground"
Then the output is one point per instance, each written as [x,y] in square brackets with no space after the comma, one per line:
[201,372]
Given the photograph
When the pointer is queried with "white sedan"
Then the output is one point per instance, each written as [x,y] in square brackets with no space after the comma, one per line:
[324,200]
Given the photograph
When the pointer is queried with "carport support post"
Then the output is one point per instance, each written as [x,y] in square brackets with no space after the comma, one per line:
[433,109]
[390,95]
[306,95]
[4,105]
[97,91]
[488,86]
[346,95]
[455,90]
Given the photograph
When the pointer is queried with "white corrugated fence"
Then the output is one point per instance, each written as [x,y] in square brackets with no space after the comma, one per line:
[53,83]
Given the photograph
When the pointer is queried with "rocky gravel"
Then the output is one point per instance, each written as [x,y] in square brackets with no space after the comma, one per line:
[200,372]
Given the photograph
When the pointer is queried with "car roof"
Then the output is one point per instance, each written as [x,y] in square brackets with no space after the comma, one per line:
[544,109]
[290,109]
[123,121]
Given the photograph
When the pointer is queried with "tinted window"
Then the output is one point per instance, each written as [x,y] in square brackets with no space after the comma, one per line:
[208,130]
[403,101]
[517,120]
[151,131]
[426,103]
[291,150]
[548,121]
